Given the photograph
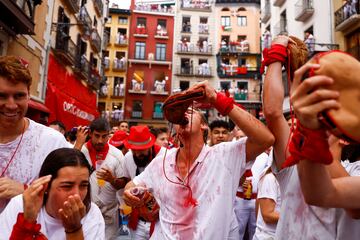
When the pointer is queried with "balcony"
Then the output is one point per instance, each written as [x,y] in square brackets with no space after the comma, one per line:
[159,88]
[141,32]
[106,63]
[280,27]
[235,48]
[82,67]
[203,28]
[303,10]
[136,114]
[118,92]
[99,6]
[184,71]
[265,12]
[150,61]
[137,87]
[161,33]
[347,16]
[84,20]
[241,94]
[238,1]
[73,5]
[158,115]
[17,16]
[94,79]
[186,29]
[155,8]
[106,40]
[190,49]
[233,71]
[65,48]
[203,71]
[119,65]
[120,40]
[195,5]
[95,40]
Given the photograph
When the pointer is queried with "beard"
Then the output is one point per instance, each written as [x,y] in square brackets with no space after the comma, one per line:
[142,160]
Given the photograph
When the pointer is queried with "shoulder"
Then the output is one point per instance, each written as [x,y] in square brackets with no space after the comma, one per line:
[47,135]
[115,152]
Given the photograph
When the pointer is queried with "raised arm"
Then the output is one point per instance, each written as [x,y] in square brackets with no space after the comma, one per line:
[273,99]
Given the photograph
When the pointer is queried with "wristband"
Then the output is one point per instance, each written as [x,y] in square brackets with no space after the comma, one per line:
[74,230]
[223,104]
[307,144]
[277,53]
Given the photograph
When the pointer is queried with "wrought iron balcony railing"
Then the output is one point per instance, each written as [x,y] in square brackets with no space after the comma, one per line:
[303,10]
[95,40]
[65,47]
[348,15]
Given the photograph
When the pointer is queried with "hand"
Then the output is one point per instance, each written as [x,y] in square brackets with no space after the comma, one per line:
[105,174]
[72,212]
[132,200]
[81,135]
[10,188]
[282,40]
[33,197]
[310,97]
[210,93]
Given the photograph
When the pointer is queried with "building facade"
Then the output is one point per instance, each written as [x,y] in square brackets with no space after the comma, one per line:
[238,51]
[74,60]
[194,36]
[116,39]
[148,81]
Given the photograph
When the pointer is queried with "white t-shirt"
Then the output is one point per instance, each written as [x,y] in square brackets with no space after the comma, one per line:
[213,178]
[348,228]
[38,141]
[105,196]
[92,223]
[268,188]
[299,220]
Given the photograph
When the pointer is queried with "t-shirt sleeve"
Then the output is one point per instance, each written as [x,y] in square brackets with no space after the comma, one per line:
[93,224]
[281,175]
[268,187]
[9,215]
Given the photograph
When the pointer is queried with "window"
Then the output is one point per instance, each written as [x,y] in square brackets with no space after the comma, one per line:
[95,22]
[137,109]
[108,19]
[122,20]
[140,50]
[186,26]
[160,51]
[225,21]
[141,21]
[225,85]
[122,31]
[157,113]
[162,23]
[242,61]
[242,21]
[118,86]
[184,85]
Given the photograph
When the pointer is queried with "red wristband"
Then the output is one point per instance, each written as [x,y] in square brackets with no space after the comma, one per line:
[277,53]
[307,144]
[223,104]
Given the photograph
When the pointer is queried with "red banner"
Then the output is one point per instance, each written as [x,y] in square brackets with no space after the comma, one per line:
[67,98]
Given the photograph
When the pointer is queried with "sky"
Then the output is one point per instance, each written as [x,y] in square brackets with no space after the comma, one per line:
[123,4]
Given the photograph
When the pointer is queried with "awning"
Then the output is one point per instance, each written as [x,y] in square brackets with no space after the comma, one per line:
[38,106]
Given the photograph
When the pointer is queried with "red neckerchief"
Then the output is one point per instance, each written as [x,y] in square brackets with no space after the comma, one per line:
[26,230]
[97,155]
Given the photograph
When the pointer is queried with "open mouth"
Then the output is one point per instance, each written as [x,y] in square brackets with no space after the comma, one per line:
[6,114]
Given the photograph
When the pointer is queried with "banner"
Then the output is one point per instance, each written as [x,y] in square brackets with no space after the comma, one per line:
[68,100]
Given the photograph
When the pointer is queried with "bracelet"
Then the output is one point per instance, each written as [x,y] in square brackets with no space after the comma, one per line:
[73,231]
[223,104]
[307,144]
[277,53]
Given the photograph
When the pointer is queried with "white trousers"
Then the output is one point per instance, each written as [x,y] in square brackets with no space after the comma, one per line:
[245,214]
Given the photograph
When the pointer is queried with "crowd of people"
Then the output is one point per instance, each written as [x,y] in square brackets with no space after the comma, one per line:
[235,179]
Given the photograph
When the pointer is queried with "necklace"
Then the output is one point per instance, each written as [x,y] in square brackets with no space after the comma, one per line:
[13,155]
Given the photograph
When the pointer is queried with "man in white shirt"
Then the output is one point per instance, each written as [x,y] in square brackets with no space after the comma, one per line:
[24,144]
[195,185]
[104,193]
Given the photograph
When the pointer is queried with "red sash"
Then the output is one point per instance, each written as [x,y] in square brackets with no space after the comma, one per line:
[97,155]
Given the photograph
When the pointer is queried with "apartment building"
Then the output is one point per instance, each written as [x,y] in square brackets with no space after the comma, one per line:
[194,37]
[74,61]
[116,40]
[148,81]
[238,51]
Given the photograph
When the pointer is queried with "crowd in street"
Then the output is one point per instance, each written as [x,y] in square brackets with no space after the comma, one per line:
[230,179]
